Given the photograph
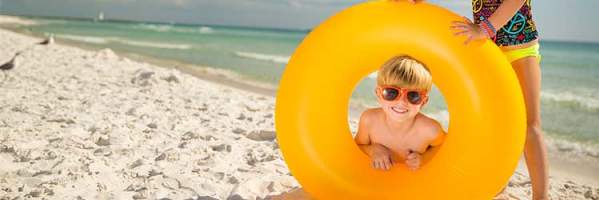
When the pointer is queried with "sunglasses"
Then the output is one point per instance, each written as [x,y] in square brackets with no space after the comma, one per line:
[392,93]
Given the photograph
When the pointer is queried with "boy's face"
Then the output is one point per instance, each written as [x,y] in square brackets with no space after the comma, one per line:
[400,108]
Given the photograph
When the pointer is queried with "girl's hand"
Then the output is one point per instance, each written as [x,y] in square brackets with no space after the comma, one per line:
[411,1]
[413,160]
[381,157]
[471,30]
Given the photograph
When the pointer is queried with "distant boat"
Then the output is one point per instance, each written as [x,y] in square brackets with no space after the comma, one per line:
[100,17]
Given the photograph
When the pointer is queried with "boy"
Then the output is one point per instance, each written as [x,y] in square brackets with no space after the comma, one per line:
[397,131]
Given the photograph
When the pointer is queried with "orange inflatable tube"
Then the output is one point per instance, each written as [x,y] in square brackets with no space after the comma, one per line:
[487,116]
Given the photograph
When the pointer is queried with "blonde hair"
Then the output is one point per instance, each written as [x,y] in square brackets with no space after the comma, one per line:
[406,72]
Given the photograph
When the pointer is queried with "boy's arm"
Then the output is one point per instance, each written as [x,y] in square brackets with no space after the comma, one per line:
[505,12]
[362,138]
[439,138]
[380,155]
[438,135]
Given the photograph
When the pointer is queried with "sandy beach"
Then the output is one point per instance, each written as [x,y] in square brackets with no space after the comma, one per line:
[85,124]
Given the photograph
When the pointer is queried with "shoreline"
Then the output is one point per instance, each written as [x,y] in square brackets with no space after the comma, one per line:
[203,72]
[212,74]
[221,79]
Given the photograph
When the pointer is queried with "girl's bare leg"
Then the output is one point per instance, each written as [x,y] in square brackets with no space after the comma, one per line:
[528,71]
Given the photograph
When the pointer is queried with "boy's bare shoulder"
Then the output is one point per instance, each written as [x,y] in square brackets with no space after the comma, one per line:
[366,123]
[429,125]
[370,114]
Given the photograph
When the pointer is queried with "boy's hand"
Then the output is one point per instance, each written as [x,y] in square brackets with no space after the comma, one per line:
[471,30]
[413,160]
[381,157]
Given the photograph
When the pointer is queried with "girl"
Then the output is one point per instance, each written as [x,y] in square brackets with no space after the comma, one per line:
[510,25]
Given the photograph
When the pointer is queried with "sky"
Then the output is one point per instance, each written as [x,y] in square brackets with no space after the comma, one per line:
[568,20]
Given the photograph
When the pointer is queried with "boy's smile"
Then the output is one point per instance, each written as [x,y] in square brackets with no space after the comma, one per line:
[399,109]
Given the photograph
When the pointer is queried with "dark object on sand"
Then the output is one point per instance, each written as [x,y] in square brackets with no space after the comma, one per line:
[47,41]
[9,65]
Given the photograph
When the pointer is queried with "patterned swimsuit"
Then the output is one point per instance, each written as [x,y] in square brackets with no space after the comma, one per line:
[519,30]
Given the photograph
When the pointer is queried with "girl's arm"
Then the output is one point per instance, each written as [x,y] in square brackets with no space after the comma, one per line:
[505,12]
[411,1]
[498,19]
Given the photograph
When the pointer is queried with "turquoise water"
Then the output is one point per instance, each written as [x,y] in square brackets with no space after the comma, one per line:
[570,91]
[257,53]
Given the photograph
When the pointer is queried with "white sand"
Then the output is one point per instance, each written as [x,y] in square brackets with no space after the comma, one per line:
[4,19]
[77,123]
[82,124]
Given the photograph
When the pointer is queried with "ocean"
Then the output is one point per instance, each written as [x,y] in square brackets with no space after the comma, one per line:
[570,70]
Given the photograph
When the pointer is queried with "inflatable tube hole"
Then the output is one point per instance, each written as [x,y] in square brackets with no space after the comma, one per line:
[363,97]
